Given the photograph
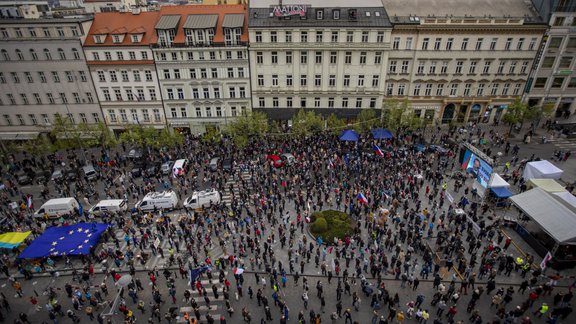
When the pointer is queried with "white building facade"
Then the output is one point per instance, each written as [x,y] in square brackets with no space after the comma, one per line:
[202,64]
[43,72]
[329,56]
[122,67]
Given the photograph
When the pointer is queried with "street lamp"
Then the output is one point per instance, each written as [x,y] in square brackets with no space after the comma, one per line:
[122,283]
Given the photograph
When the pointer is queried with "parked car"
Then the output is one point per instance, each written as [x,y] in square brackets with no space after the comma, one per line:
[71,174]
[166,167]
[135,153]
[24,178]
[227,164]
[57,175]
[275,159]
[214,163]
[136,172]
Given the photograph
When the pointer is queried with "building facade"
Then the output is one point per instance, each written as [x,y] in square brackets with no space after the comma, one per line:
[554,81]
[119,55]
[43,72]
[465,64]
[329,56]
[202,63]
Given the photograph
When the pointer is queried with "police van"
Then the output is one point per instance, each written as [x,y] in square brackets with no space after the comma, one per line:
[200,199]
[57,207]
[159,200]
[109,206]
[180,168]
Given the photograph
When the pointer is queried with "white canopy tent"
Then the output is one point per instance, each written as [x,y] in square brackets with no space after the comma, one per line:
[541,170]
[553,215]
[567,197]
[496,181]
[550,185]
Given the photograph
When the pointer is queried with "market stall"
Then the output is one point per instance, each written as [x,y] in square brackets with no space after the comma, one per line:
[541,170]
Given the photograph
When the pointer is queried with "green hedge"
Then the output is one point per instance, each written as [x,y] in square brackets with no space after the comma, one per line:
[329,224]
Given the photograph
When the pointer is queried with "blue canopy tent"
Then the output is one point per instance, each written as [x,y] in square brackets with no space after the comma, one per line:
[76,239]
[502,192]
[349,135]
[382,133]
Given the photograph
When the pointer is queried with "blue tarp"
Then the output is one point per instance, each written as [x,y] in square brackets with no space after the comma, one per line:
[74,239]
[349,135]
[379,133]
[502,192]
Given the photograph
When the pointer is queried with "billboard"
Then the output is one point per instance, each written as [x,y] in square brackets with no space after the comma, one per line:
[474,165]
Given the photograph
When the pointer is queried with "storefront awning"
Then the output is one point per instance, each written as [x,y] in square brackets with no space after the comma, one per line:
[11,136]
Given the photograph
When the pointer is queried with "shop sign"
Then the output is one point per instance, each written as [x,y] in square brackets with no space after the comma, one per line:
[426,107]
[289,10]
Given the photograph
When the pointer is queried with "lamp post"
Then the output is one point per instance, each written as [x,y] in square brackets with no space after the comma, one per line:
[122,283]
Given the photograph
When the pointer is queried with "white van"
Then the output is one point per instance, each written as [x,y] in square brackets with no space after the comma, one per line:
[160,200]
[180,168]
[109,206]
[55,208]
[200,199]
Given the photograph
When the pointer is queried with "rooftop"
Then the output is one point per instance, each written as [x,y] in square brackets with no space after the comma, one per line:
[316,3]
[458,8]
[41,21]
[116,23]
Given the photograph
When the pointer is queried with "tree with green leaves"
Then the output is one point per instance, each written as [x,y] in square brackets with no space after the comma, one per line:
[335,124]
[366,120]
[517,113]
[248,125]
[211,135]
[39,146]
[306,123]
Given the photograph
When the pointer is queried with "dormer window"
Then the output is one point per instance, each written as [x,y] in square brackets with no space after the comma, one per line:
[336,14]
[99,39]
[200,29]
[352,14]
[136,38]
[166,29]
[319,14]
[116,38]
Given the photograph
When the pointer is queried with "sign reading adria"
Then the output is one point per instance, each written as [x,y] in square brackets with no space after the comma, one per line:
[289,10]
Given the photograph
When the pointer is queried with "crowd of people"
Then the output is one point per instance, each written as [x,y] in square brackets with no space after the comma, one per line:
[405,232]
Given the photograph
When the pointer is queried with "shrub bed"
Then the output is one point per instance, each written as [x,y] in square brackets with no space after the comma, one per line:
[330,224]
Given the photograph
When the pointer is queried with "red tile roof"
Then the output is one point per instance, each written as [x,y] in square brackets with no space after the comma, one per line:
[220,10]
[113,23]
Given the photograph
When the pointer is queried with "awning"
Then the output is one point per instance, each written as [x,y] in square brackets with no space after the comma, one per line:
[554,216]
[168,22]
[567,197]
[233,21]
[502,192]
[10,136]
[201,21]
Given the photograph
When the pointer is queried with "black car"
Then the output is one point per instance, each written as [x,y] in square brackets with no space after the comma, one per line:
[24,178]
[71,175]
[227,164]
[136,172]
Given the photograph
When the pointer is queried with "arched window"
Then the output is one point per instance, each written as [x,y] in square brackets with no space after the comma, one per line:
[76,54]
[61,54]
[33,54]
[20,55]
[5,55]
[47,54]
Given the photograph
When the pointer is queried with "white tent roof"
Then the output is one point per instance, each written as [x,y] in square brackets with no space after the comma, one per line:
[556,217]
[496,181]
[541,169]
[549,185]
[567,197]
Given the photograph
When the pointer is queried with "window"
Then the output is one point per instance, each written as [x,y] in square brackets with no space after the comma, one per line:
[520,44]
[389,89]
[106,94]
[332,80]
[29,78]
[350,37]
[173,113]
[501,67]
[571,42]
[467,88]
[123,115]
[101,76]
[375,81]
[336,14]
[494,90]
[124,75]
[396,43]
[425,42]
[416,91]
[392,66]
[8,120]
[273,38]
[437,44]
[108,56]
[24,99]
[289,80]
[505,89]
[432,69]
[33,54]
[114,77]
[346,80]
[118,94]
[55,76]
[365,37]
[157,115]
[401,89]
[472,69]
[459,65]
[289,102]
[206,93]
[258,37]
[378,58]
[480,90]
[348,58]
[144,55]
[557,82]
[319,36]
[288,57]
[572,83]
[140,95]
[303,80]
[37,98]
[288,37]
[274,83]
[508,44]
[453,89]
[20,55]
[242,92]
[2,78]
[241,72]
[559,21]
[360,80]
[344,102]
[362,57]
[479,44]
[317,80]
[120,56]
[42,77]
[408,43]
[493,44]
[47,54]
[565,62]
[486,69]
[260,80]
[259,58]
[524,67]
[334,37]
[449,44]
[440,89]
[358,102]
[136,76]
[195,93]
[330,102]
[303,57]
[532,44]
[214,73]
[11,98]
[303,37]
[444,67]
[69,76]
[512,67]
[63,97]
[82,75]
[76,97]
[464,45]
[318,57]
[317,102]
[517,88]
[274,57]
[203,74]
[428,90]
[33,119]
[148,75]
[333,57]
[555,42]
[421,65]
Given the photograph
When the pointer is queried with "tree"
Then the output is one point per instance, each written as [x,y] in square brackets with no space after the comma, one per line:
[412,121]
[335,124]
[517,113]
[39,146]
[394,114]
[248,125]
[306,123]
[366,120]
[212,135]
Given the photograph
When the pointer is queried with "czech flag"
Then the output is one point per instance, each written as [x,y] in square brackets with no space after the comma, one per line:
[361,198]
[378,150]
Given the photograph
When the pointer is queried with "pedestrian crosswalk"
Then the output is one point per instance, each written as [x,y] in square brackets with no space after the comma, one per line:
[565,144]
[215,308]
